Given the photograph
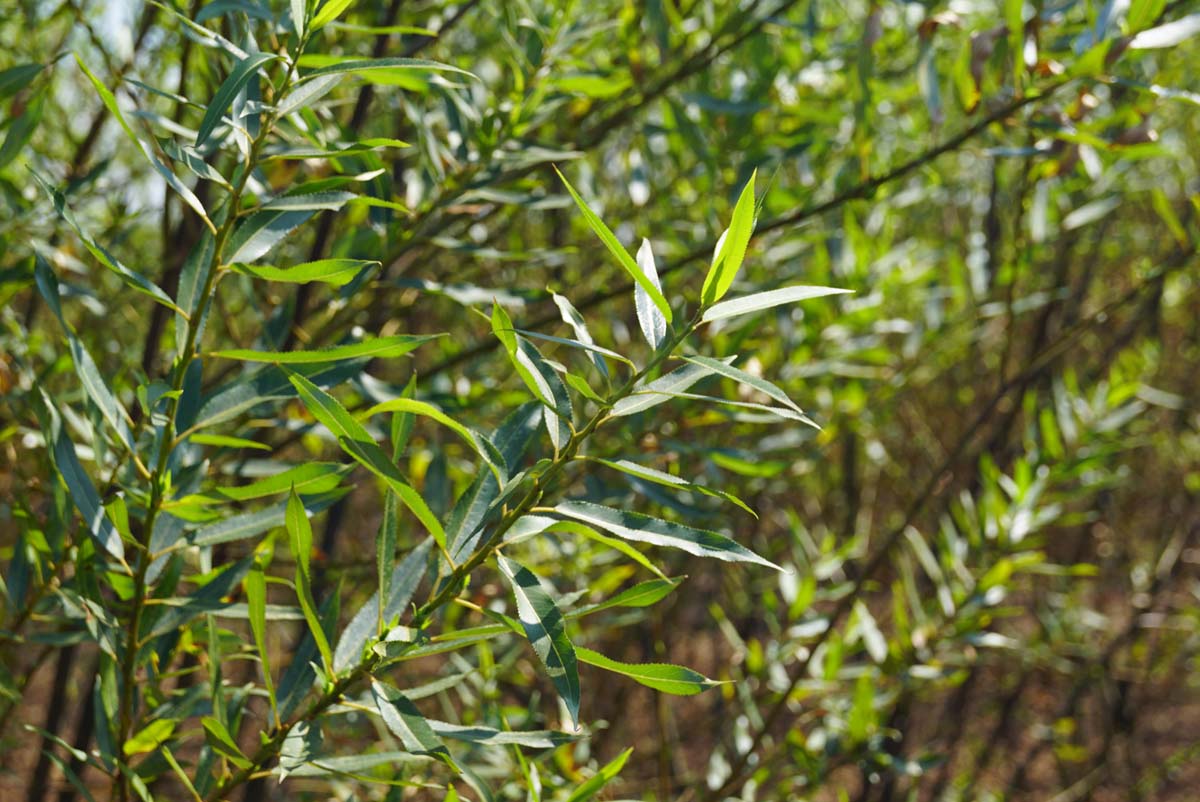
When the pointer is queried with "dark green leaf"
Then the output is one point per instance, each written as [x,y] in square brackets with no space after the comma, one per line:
[241,74]
[618,250]
[546,631]
[374,348]
[672,679]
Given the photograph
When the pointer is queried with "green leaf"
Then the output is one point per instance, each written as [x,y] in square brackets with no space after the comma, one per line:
[546,631]
[385,558]
[602,778]
[643,594]
[110,102]
[727,370]
[310,478]
[411,406]
[670,480]
[14,79]
[661,389]
[222,743]
[402,584]
[618,250]
[358,443]
[766,300]
[364,67]
[672,679]
[407,723]
[93,383]
[134,280]
[241,74]
[225,441]
[79,484]
[502,327]
[325,408]
[572,318]
[372,457]
[22,129]
[650,320]
[255,585]
[373,348]
[645,529]
[487,736]
[335,272]
[208,599]
[309,201]
[327,13]
[300,539]
[260,232]
[299,10]
[239,527]
[152,736]
[732,250]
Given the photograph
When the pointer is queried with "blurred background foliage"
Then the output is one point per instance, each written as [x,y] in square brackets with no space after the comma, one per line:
[991,540]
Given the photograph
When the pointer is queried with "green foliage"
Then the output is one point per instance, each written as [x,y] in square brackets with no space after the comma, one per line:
[329,438]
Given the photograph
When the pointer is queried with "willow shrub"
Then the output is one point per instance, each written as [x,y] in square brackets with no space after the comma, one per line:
[191,517]
[167,539]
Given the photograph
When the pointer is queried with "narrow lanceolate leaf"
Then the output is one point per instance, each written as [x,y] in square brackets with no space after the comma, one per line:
[742,377]
[300,538]
[502,327]
[134,280]
[262,231]
[242,72]
[731,251]
[110,102]
[487,736]
[222,743]
[299,10]
[547,633]
[335,272]
[327,12]
[255,585]
[152,736]
[645,529]
[406,722]
[618,250]
[374,348]
[651,321]
[326,409]
[656,392]
[558,416]
[572,318]
[310,478]
[670,480]
[310,201]
[93,383]
[476,441]
[396,595]
[79,484]
[358,443]
[227,441]
[766,300]
[385,561]
[593,785]
[643,594]
[366,66]
[665,677]
[14,79]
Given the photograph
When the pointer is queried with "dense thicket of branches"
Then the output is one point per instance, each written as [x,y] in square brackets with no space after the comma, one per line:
[346,452]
